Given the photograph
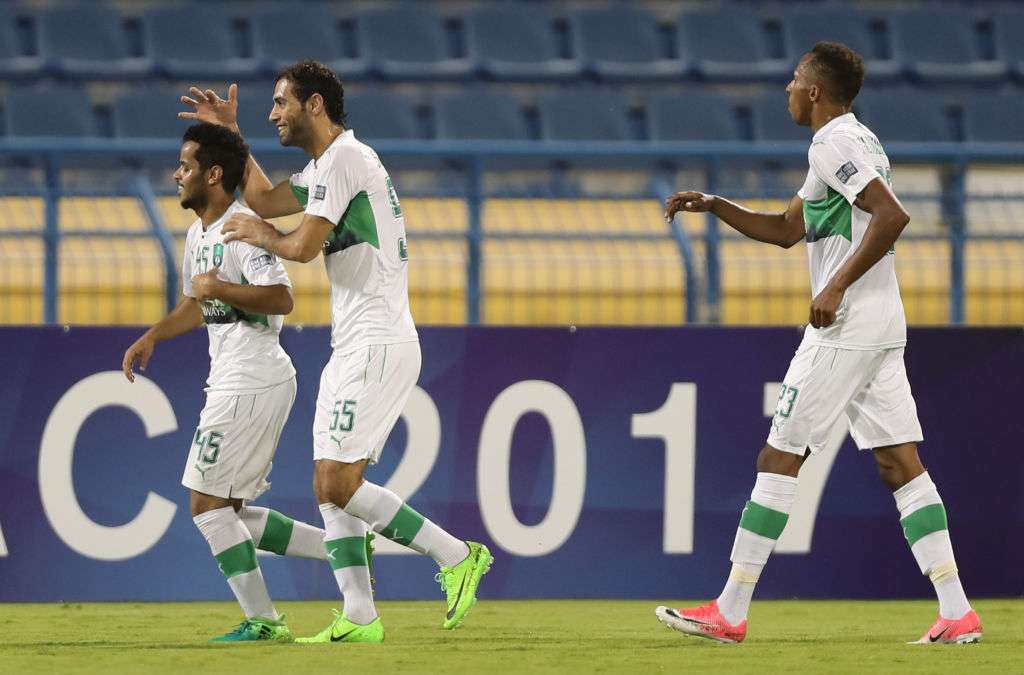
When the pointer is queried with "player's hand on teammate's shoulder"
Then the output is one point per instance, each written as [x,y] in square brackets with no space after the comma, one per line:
[248,228]
[205,286]
[207,106]
[141,351]
[688,200]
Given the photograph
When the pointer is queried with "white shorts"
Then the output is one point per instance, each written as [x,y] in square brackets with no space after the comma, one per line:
[869,387]
[234,445]
[362,393]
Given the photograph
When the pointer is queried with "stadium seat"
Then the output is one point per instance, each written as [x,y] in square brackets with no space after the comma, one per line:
[50,111]
[1008,27]
[621,43]
[255,100]
[939,44]
[195,41]
[583,116]
[692,116]
[803,27]
[284,35]
[905,115]
[728,44]
[772,122]
[408,42]
[994,118]
[87,41]
[516,43]
[13,64]
[378,115]
[480,115]
[148,112]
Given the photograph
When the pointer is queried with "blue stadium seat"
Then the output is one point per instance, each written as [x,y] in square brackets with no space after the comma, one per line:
[905,115]
[516,43]
[195,41]
[692,116]
[480,115]
[772,122]
[87,41]
[803,27]
[50,111]
[408,42]
[939,44]
[621,43]
[255,99]
[14,65]
[728,44]
[1008,27]
[299,31]
[148,112]
[375,115]
[994,118]
[583,116]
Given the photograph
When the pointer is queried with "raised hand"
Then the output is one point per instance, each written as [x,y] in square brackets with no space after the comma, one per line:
[207,106]
[694,202]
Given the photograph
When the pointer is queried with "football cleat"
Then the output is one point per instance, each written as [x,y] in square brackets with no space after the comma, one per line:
[460,582]
[343,630]
[257,628]
[965,630]
[704,621]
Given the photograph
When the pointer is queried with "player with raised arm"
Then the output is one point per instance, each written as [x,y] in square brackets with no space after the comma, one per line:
[240,292]
[850,361]
[352,215]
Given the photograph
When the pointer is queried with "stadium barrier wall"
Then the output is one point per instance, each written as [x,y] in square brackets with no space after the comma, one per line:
[596,462]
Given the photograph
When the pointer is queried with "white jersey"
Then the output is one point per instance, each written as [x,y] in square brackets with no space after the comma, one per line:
[844,157]
[365,253]
[245,353]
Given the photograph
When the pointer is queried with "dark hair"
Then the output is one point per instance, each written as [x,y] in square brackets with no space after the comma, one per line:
[313,77]
[219,146]
[842,69]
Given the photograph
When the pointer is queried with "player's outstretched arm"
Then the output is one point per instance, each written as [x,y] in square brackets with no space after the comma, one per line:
[183,318]
[301,244]
[888,218]
[782,229]
[260,194]
[276,299]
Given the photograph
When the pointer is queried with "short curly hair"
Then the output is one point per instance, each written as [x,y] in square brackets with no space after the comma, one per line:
[219,146]
[313,77]
[841,68]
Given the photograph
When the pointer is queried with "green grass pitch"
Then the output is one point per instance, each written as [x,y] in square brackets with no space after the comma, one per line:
[504,636]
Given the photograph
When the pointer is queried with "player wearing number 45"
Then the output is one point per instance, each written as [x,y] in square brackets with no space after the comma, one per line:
[851,359]
[240,292]
[352,215]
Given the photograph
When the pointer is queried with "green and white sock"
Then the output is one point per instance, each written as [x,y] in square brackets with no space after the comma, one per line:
[923,517]
[761,524]
[232,546]
[345,548]
[387,514]
[277,533]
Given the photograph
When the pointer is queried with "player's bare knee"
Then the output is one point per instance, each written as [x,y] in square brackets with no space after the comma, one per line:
[199,502]
[775,461]
[336,482]
[898,464]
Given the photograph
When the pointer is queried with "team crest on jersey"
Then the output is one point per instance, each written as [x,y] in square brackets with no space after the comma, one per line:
[403,252]
[319,192]
[218,254]
[846,172]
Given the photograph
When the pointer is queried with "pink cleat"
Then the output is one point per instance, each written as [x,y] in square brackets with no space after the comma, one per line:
[965,630]
[704,621]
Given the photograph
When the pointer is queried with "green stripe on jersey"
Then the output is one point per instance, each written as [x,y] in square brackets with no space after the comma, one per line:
[828,217]
[301,193]
[404,527]
[277,533]
[238,559]
[357,226]
[346,552]
[924,521]
[762,520]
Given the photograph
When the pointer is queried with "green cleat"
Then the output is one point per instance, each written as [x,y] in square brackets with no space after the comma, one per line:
[460,582]
[343,630]
[257,628]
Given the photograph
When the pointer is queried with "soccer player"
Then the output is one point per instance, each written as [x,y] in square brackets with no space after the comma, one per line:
[850,361]
[352,215]
[240,292]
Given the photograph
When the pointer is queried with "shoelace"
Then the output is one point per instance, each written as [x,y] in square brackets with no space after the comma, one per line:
[242,628]
[440,578]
